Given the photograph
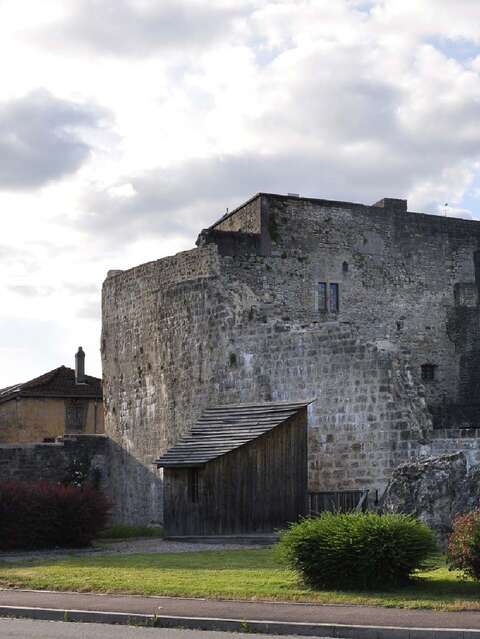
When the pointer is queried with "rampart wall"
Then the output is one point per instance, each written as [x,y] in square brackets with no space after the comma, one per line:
[202,342]
[212,326]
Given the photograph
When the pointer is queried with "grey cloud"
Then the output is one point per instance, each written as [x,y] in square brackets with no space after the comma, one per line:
[81,289]
[335,129]
[335,102]
[182,200]
[122,27]
[26,290]
[39,139]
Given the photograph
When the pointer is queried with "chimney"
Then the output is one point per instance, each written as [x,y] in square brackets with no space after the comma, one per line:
[80,366]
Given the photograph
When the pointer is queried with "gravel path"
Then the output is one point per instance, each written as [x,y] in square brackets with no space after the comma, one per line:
[126,547]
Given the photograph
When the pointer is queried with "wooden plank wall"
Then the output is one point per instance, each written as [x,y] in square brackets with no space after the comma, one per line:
[256,488]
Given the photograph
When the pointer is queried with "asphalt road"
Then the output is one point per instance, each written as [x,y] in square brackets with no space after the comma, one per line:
[28,629]
[292,612]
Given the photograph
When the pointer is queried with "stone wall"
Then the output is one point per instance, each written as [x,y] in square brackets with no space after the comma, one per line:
[157,320]
[204,342]
[57,462]
[447,441]
[211,326]
[245,218]
[396,272]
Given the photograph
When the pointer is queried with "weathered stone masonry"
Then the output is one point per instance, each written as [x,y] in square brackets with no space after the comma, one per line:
[68,459]
[240,318]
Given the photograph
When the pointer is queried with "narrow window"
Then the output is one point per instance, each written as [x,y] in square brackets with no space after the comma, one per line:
[428,372]
[193,485]
[322,296]
[345,267]
[334,298]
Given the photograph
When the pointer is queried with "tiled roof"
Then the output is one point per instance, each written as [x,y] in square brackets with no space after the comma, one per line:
[224,428]
[57,383]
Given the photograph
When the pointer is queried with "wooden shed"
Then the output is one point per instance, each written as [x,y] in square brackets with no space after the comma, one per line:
[241,470]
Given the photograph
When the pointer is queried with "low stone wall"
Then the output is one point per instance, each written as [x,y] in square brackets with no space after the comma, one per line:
[447,441]
[69,458]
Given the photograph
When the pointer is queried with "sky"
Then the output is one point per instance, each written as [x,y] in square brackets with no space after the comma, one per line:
[127,126]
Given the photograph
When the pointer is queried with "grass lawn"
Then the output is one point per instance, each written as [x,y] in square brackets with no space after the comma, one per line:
[234,574]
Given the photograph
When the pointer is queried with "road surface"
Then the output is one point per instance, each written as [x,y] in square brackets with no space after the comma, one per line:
[28,629]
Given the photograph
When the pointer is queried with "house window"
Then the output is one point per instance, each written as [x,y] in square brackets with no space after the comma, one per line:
[345,267]
[334,298]
[428,372]
[322,296]
[75,415]
[192,479]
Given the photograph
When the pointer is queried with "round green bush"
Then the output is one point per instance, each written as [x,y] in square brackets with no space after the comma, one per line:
[356,550]
[464,544]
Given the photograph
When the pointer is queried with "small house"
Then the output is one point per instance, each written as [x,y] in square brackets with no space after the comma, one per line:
[62,401]
[241,470]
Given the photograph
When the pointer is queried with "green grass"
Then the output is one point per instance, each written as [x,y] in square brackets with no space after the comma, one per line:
[122,531]
[235,574]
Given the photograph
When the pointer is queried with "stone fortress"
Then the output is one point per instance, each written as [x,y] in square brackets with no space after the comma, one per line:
[371,311]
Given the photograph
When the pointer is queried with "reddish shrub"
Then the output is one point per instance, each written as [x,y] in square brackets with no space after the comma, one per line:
[46,515]
[464,544]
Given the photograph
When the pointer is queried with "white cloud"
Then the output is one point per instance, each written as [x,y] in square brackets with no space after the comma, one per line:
[208,103]
[141,28]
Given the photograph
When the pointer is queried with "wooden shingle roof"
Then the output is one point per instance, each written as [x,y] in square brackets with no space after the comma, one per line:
[224,428]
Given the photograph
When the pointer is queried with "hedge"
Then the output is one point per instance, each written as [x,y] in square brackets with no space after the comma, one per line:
[48,515]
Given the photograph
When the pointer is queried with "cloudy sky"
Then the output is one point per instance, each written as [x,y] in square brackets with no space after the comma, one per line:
[127,126]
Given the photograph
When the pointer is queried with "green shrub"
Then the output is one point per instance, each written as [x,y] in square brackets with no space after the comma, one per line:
[464,544]
[356,550]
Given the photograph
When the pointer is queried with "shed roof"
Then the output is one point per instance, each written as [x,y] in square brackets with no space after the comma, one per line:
[57,383]
[224,428]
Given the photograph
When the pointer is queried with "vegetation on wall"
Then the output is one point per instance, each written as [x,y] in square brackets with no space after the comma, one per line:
[273,227]
[80,471]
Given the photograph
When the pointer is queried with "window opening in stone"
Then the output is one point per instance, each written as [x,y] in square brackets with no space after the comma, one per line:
[428,372]
[345,267]
[193,485]
[334,298]
[322,296]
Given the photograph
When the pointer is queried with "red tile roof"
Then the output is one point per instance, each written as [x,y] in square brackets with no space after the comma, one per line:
[57,383]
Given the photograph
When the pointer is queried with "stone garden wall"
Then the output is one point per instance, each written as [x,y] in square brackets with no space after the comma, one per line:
[70,458]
